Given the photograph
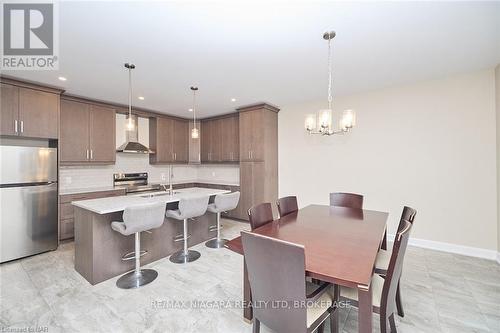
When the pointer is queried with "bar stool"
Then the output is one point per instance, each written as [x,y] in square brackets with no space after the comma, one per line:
[136,219]
[222,203]
[188,209]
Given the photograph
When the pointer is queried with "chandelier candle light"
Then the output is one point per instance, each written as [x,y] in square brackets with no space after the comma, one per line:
[195,133]
[321,123]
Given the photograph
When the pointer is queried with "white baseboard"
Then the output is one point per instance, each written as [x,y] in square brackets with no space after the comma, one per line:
[453,248]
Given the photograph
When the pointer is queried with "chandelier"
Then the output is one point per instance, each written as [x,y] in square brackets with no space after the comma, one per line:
[321,122]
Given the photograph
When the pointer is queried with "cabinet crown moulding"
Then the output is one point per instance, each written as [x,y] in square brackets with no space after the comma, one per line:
[30,84]
[257,106]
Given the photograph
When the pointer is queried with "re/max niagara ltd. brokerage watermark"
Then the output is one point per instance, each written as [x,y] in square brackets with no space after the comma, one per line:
[30,35]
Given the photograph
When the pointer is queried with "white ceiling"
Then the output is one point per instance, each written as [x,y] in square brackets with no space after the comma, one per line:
[263,52]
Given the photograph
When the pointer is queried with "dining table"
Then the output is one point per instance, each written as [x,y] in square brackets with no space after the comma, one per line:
[341,246]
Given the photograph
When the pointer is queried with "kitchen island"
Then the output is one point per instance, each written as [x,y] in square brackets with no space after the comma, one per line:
[99,249]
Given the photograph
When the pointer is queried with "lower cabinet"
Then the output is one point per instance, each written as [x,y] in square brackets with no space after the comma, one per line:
[66,209]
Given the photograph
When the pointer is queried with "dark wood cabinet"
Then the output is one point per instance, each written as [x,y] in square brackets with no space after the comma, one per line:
[181,141]
[38,113]
[73,146]
[66,209]
[102,136]
[28,112]
[252,135]
[9,122]
[230,133]
[258,126]
[87,133]
[220,140]
[169,139]
[206,137]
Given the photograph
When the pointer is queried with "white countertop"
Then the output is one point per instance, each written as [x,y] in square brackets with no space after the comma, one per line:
[117,204]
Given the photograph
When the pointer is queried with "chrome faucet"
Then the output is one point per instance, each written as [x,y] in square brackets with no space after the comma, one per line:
[170,175]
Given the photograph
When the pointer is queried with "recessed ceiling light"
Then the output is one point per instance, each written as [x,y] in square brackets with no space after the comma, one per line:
[190,110]
[141,98]
[233,99]
[62,78]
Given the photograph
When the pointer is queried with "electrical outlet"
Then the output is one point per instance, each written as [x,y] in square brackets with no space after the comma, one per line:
[213,173]
[163,176]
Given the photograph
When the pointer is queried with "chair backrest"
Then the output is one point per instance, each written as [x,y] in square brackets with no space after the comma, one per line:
[287,205]
[260,215]
[407,215]
[395,268]
[276,272]
[193,207]
[143,217]
[228,201]
[349,200]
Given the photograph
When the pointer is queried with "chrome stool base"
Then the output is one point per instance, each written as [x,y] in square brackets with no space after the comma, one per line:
[133,280]
[216,243]
[181,258]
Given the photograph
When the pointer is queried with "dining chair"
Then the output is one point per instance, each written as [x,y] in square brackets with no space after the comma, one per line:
[384,290]
[260,214]
[348,200]
[384,256]
[287,205]
[276,271]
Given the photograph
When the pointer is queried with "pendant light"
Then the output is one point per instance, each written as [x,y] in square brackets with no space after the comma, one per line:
[130,119]
[321,123]
[195,133]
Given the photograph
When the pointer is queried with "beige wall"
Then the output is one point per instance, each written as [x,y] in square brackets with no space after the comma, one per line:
[430,145]
[497,93]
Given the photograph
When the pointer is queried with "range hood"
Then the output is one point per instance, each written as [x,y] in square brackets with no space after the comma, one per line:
[132,144]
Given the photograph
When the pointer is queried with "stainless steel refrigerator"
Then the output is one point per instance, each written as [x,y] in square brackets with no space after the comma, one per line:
[28,197]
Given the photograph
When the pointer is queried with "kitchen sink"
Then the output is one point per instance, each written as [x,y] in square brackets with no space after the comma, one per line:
[158,194]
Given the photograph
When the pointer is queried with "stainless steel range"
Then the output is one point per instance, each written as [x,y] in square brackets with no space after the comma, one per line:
[135,183]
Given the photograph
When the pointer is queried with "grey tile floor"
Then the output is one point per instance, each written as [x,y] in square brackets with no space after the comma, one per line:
[442,293]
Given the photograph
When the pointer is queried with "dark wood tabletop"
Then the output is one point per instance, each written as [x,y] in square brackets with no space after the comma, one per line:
[341,244]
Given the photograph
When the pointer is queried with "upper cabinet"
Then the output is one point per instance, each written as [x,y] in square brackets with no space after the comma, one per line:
[87,133]
[28,112]
[220,140]
[252,135]
[169,139]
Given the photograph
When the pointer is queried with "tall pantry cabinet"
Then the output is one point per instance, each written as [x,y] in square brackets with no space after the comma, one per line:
[258,126]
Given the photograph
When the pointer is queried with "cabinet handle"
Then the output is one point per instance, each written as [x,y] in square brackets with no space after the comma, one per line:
[87,154]
[15,126]
[22,126]
[91,154]
[175,156]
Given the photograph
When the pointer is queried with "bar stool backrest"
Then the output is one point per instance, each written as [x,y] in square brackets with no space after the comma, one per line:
[143,217]
[193,207]
[225,202]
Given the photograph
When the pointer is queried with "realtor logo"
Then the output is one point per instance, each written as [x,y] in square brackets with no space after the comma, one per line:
[29,36]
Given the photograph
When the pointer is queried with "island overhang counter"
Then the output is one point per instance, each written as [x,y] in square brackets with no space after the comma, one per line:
[99,249]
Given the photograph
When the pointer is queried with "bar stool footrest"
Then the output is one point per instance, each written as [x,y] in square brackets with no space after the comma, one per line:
[131,255]
[180,238]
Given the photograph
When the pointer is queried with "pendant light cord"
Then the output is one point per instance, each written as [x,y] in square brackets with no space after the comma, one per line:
[194,108]
[130,94]
[330,98]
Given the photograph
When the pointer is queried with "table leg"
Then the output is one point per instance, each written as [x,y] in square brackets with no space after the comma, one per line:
[384,241]
[247,295]
[365,309]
